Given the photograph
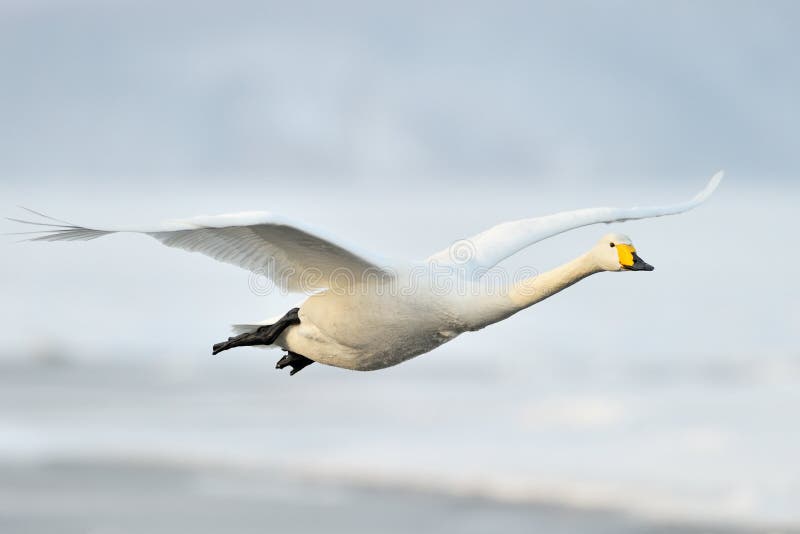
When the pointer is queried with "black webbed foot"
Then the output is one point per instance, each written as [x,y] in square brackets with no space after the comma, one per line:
[296,361]
[265,335]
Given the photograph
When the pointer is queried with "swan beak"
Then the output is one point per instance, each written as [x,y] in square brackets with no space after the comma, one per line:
[639,264]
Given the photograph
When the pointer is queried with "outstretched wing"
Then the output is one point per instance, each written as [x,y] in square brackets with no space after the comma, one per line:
[485,250]
[294,257]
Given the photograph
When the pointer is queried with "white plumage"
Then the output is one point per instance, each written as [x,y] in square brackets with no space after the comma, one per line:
[506,239]
[362,314]
[257,241]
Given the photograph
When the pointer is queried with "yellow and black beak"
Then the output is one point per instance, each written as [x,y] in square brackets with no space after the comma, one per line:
[631,261]
[639,264]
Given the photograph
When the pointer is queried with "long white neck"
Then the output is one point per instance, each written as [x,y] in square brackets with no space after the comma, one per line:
[486,309]
[537,288]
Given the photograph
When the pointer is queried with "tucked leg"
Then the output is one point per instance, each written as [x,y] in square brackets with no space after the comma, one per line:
[296,361]
[265,335]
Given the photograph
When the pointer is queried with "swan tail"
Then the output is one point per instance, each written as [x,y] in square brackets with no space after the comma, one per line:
[246,328]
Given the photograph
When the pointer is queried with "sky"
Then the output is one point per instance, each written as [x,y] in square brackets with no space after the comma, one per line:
[368,93]
[400,127]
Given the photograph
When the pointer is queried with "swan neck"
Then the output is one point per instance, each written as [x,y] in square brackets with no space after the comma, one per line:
[537,288]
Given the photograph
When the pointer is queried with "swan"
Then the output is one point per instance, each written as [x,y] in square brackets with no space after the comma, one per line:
[364,312]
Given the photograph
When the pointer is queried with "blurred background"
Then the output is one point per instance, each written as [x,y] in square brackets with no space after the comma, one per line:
[657,402]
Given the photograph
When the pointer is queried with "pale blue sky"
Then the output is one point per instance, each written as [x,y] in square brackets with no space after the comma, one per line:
[401,129]
[361,92]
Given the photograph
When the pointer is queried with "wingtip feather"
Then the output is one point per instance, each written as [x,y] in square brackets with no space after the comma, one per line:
[58,230]
[40,214]
[710,187]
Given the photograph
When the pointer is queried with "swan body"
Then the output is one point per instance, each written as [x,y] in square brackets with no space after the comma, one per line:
[364,312]
[339,328]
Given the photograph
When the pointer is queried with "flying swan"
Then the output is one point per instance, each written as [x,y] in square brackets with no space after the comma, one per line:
[363,312]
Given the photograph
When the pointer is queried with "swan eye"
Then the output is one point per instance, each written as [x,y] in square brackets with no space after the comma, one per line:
[612,245]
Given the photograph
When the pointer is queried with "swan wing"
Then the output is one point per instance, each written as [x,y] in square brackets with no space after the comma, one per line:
[295,257]
[485,250]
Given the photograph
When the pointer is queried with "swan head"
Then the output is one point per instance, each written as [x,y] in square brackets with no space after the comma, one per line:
[615,252]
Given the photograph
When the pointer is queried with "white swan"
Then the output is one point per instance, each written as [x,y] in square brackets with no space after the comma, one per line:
[367,313]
